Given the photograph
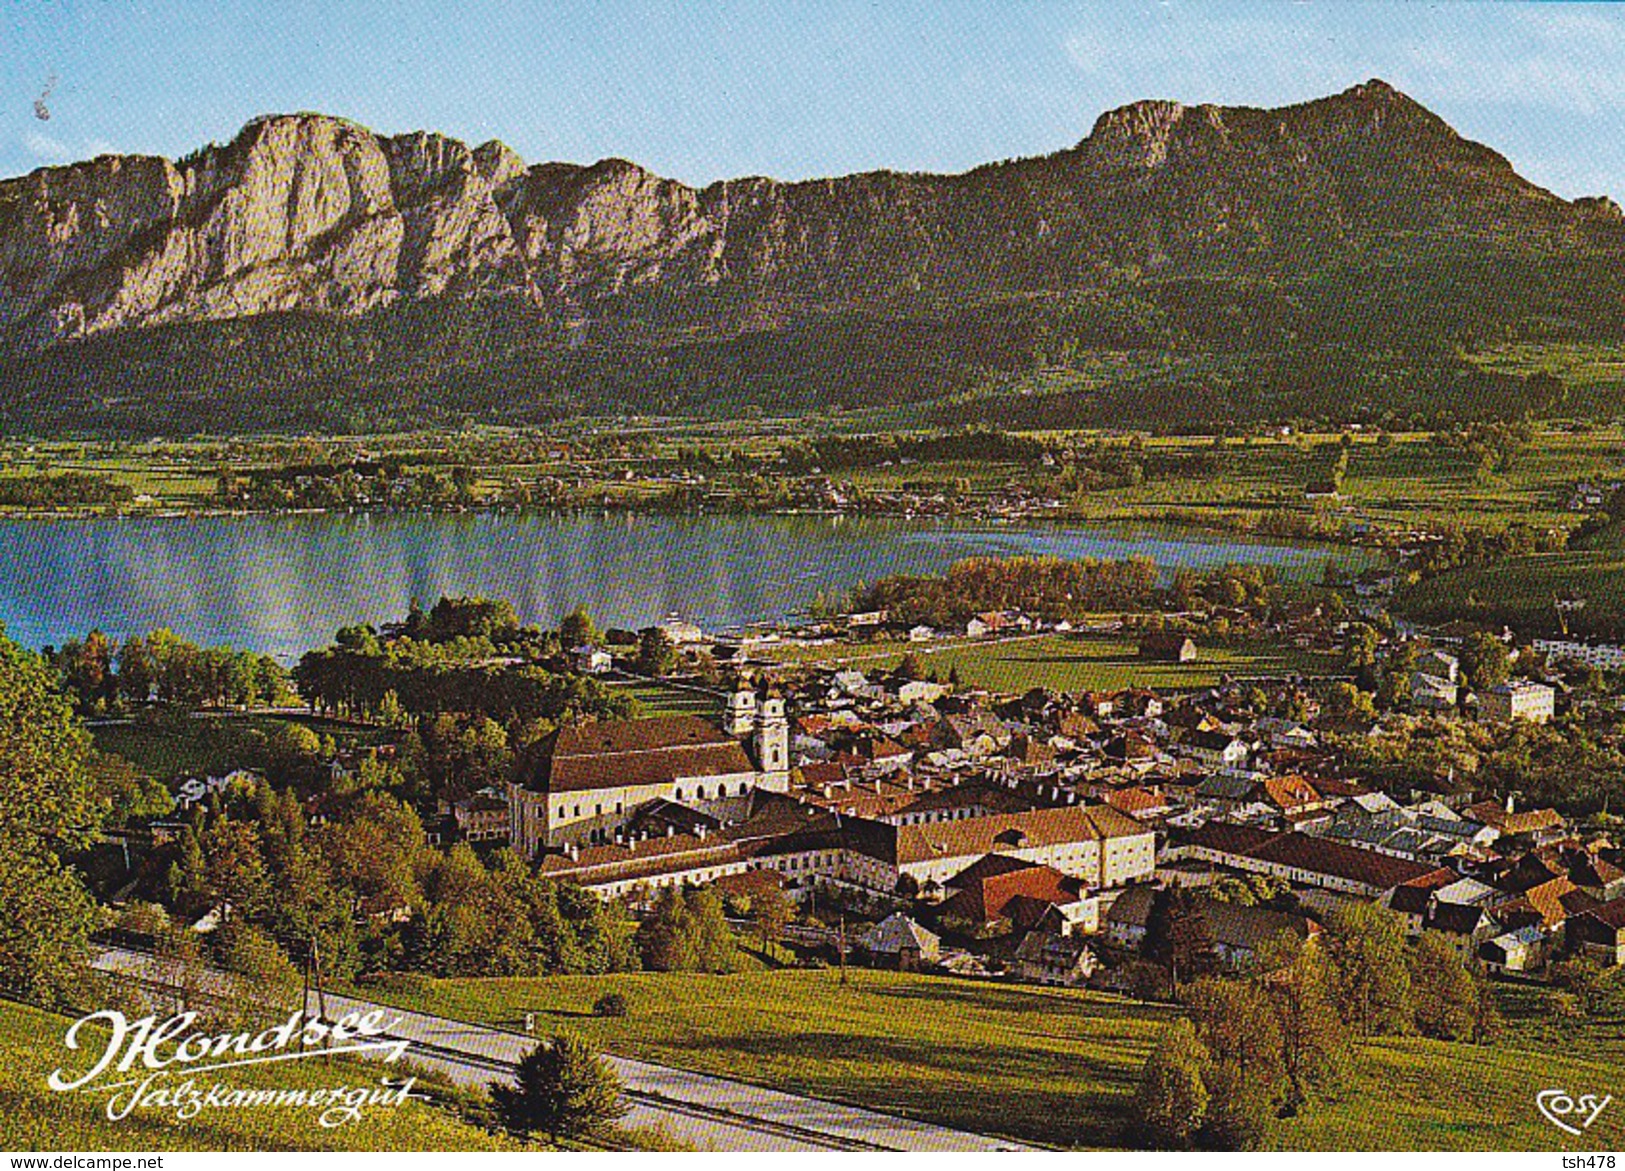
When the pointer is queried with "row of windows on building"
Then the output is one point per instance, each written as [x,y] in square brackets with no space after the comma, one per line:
[700,794]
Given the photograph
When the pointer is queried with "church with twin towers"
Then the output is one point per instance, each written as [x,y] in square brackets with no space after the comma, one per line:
[591,780]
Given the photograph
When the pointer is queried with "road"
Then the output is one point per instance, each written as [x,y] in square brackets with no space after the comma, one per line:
[709,1113]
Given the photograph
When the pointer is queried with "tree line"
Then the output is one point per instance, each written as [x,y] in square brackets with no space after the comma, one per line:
[104,677]
[1272,1043]
[1047,588]
[61,490]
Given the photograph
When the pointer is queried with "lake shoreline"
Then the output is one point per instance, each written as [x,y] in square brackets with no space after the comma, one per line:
[279,583]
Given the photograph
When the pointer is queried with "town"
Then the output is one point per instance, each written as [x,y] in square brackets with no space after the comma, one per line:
[1260,785]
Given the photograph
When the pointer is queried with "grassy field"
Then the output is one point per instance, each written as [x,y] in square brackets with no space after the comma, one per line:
[204,746]
[1521,590]
[1068,662]
[1052,1066]
[34,1118]
[1048,1066]
[658,699]
[1405,479]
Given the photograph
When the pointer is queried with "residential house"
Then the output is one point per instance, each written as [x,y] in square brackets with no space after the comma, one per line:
[899,942]
[1065,961]
[1163,647]
[1517,699]
[1600,933]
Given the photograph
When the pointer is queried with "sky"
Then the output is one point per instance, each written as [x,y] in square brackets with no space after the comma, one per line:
[704,91]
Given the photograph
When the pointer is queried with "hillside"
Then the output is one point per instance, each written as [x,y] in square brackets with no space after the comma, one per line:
[1052,1066]
[1333,258]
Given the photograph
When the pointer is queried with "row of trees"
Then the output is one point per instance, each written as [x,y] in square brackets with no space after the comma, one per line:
[104,676]
[1285,1036]
[1044,587]
[1575,767]
[63,490]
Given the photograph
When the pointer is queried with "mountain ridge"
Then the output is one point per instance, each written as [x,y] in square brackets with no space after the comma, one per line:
[311,214]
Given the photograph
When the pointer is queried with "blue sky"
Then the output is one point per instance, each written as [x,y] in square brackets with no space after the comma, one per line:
[795,90]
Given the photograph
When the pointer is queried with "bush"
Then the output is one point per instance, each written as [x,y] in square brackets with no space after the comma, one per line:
[611,1004]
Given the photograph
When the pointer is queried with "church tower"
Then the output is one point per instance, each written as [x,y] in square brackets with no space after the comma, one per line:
[772,744]
[741,718]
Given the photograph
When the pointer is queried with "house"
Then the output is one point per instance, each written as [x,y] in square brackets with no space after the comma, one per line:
[920,691]
[899,942]
[1000,886]
[1600,933]
[996,622]
[921,633]
[1143,804]
[1094,843]
[1167,648]
[591,660]
[636,867]
[1541,825]
[1302,860]
[1237,930]
[1517,699]
[1604,656]
[482,817]
[1217,750]
[1515,952]
[1433,693]
[1440,664]
[1375,583]
[680,631]
[1065,961]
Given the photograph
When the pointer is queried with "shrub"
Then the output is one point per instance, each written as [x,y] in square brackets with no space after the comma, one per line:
[611,1004]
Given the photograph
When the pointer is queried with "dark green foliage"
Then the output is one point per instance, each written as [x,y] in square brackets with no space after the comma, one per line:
[49,807]
[686,932]
[562,1089]
[611,1004]
[1171,1102]
[55,491]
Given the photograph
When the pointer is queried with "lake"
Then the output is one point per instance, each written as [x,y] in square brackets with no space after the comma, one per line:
[282,584]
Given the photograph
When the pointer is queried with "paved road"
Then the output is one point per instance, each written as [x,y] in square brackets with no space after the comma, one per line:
[710,1113]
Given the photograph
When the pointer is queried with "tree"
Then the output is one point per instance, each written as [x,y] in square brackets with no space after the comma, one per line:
[1179,937]
[656,655]
[1172,1099]
[1345,699]
[1370,956]
[1316,1050]
[772,911]
[1234,1020]
[578,629]
[563,1089]
[1361,651]
[686,932]
[1444,997]
[1484,661]
[49,807]
[910,669]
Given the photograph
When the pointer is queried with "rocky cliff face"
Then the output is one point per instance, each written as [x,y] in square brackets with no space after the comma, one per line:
[312,213]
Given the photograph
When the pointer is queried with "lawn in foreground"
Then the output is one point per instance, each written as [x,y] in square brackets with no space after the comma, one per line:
[35,1118]
[1041,1065]
[1048,1066]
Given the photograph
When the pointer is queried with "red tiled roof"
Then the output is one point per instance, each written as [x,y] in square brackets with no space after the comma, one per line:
[610,754]
[1337,860]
